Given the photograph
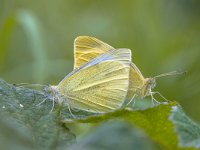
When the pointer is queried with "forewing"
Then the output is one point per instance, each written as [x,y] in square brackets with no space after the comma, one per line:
[101,85]
[87,48]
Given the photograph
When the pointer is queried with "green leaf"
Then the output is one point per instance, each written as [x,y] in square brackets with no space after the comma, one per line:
[35,127]
[13,135]
[116,135]
[188,131]
[155,122]
[42,127]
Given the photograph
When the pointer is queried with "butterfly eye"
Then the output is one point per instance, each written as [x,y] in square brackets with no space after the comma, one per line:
[153,83]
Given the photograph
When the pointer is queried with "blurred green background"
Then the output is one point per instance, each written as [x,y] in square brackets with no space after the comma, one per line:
[36,40]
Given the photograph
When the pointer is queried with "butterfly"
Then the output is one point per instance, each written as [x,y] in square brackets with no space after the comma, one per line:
[87,48]
[99,85]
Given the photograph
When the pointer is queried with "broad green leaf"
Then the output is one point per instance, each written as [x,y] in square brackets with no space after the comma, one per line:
[13,135]
[156,123]
[165,124]
[116,135]
[41,126]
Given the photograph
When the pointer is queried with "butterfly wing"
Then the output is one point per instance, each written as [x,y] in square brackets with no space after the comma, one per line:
[100,85]
[87,48]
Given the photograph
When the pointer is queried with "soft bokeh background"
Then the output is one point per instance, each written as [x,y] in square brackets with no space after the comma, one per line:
[36,40]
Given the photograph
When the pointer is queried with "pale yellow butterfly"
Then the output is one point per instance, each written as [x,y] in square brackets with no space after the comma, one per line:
[99,85]
[87,48]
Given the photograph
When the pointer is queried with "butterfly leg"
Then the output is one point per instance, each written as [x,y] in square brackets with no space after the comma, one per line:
[161,96]
[53,100]
[154,101]
[70,111]
[42,101]
[132,99]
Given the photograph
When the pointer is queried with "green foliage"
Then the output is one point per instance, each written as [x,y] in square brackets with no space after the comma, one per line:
[189,131]
[36,45]
[36,40]
[26,125]
[35,125]
[116,135]
[31,26]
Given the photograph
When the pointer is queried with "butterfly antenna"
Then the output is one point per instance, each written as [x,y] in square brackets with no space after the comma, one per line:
[172,73]
[28,84]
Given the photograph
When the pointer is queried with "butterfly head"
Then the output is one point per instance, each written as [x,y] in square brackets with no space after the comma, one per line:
[149,84]
[50,91]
